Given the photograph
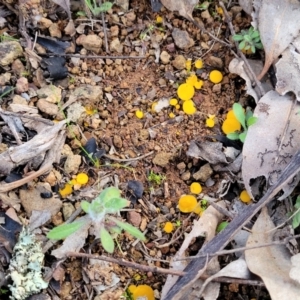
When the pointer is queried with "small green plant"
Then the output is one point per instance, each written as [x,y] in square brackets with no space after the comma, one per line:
[246,119]
[296,217]
[100,212]
[249,40]
[95,9]
[156,179]
[222,226]
[5,37]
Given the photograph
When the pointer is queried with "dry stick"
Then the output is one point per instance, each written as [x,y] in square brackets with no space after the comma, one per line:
[38,119]
[128,264]
[210,34]
[225,252]
[128,159]
[223,238]
[257,82]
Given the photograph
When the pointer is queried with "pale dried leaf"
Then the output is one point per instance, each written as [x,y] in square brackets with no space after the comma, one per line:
[246,6]
[295,270]
[235,269]
[184,7]
[39,218]
[70,28]
[278,24]
[288,72]
[272,263]
[65,4]
[75,241]
[205,226]
[272,141]
[236,66]
[212,152]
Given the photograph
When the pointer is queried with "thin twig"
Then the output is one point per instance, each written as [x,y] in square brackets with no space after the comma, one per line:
[128,264]
[253,75]
[93,56]
[225,252]
[210,34]
[128,159]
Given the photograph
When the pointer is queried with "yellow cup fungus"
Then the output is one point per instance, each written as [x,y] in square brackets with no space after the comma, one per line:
[231,125]
[215,76]
[66,191]
[82,178]
[139,292]
[159,20]
[188,107]
[198,85]
[187,203]
[173,102]
[245,197]
[199,64]
[139,114]
[185,91]
[168,228]
[195,188]
[188,65]
[171,115]
[210,121]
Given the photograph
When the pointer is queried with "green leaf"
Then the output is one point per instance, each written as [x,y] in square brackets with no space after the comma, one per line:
[237,37]
[242,45]
[233,136]
[251,121]
[107,241]
[115,229]
[106,6]
[129,228]
[243,136]
[296,220]
[109,193]
[253,49]
[115,205]
[297,204]
[239,114]
[85,206]
[64,230]
[222,226]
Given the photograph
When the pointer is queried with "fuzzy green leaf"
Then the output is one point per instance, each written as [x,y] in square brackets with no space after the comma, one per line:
[242,45]
[115,205]
[237,37]
[242,136]
[107,241]
[106,6]
[85,206]
[252,120]
[64,230]
[115,229]
[109,193]
[239,114]
[233,136]
[129,228]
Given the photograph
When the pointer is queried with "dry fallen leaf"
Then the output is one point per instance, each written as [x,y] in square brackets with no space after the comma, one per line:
[65,4]
[272,141]
[278,24]
[75,241]
[271,263]
[288,72]
[184,7]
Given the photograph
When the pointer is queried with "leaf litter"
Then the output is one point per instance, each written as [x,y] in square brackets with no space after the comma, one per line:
[270,145]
